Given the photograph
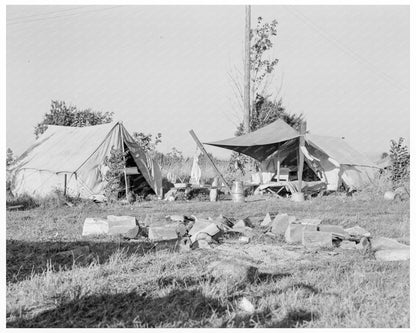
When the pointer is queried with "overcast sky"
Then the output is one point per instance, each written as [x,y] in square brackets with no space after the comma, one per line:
[166,69]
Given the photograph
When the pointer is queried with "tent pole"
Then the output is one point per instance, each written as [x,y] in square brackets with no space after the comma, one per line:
[301,157]
[209,159]
[65,185]
[124,159]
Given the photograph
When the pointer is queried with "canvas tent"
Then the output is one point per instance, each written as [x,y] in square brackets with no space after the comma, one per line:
[331,159]
[72,159]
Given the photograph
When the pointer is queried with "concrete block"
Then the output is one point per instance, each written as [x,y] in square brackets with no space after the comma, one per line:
[294,233]
[335,229]
[120,224]
[384,243]
[167,232]
[266,221]
[132,233]
[198,226]
[95,226]
[280,224]
[393,254]
[309,227]
[212,230]
[358,231]
[310,221]
[348,245]
[316,239]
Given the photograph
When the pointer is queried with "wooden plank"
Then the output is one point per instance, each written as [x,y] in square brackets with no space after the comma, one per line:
[209,159]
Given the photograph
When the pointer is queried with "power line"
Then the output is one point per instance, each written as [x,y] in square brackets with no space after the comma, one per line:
[345,49]
[45,14]
[60,16]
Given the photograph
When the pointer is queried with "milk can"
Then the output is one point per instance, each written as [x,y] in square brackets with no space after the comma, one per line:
[237,192]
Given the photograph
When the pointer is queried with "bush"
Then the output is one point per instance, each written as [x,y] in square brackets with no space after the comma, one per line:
[400,163]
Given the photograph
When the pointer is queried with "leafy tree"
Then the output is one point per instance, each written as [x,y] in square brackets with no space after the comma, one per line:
[9,157]
[63,115]
[113,176]
[400,163]
[147,142]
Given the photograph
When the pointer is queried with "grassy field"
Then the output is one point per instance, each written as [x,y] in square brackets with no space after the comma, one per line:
[131,284]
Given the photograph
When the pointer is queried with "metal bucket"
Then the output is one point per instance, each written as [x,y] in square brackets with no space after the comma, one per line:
[237,192]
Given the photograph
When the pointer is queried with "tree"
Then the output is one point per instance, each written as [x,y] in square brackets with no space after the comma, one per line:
[400,163]
[63,115]
[263,110]
[9,157]
[147,142]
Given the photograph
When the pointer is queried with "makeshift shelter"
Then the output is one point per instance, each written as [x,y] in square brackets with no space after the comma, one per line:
[329,159]
[73,160]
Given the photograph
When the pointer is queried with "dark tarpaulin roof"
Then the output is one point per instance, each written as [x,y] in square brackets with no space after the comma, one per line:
[261,143]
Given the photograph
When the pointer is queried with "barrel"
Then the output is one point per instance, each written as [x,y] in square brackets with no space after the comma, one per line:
[237,192]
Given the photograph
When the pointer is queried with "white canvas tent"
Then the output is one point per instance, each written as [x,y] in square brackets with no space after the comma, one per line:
[331,159]
[72,159]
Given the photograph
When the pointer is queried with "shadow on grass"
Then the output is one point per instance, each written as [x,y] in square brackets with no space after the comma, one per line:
[26,258]
[180,308]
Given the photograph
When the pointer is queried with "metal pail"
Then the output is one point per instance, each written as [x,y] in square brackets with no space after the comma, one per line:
[237,192]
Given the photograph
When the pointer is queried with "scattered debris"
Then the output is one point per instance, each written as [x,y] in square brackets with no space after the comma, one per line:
[316,239]
[294,233]
[393,254]
[348,245]
[266,221]
[280,224]
[167,232]
[95,226]
[244,239]
[384,243]
[358,231]
[390,196]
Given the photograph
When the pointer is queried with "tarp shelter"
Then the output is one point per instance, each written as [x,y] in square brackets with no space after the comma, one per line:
[330,158]
[72,159]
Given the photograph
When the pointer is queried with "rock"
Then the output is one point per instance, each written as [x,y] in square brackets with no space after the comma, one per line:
[358,231]
[266,221]
[316,239]
[245,305]
[224,221]
[244,239]
[181,229]
[335,229]
[233,271]
[95,226]
[348,245]
[198,226]
[280,224]
[201,244]
[240,224]
[184,245]
[132,233]
[363,245]
[211,230]
[167,232]
[384,243]
[120,224]
[294,233]
[310,221]
[390,196]
[177,218]
[393,254]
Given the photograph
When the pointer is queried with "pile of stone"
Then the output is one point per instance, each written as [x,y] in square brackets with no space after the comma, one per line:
[312,234]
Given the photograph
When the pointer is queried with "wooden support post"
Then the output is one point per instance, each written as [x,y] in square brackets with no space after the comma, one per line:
[278,168]
[65,181]
[301,157]
[209,159]
[247,104]
[124,159]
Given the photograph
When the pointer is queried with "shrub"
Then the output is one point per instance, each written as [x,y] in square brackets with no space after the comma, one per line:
[400,163]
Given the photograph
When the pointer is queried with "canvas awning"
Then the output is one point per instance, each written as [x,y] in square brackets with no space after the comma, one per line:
[261,143]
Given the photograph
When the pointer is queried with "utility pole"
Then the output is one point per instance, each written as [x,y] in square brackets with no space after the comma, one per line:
[247,71]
